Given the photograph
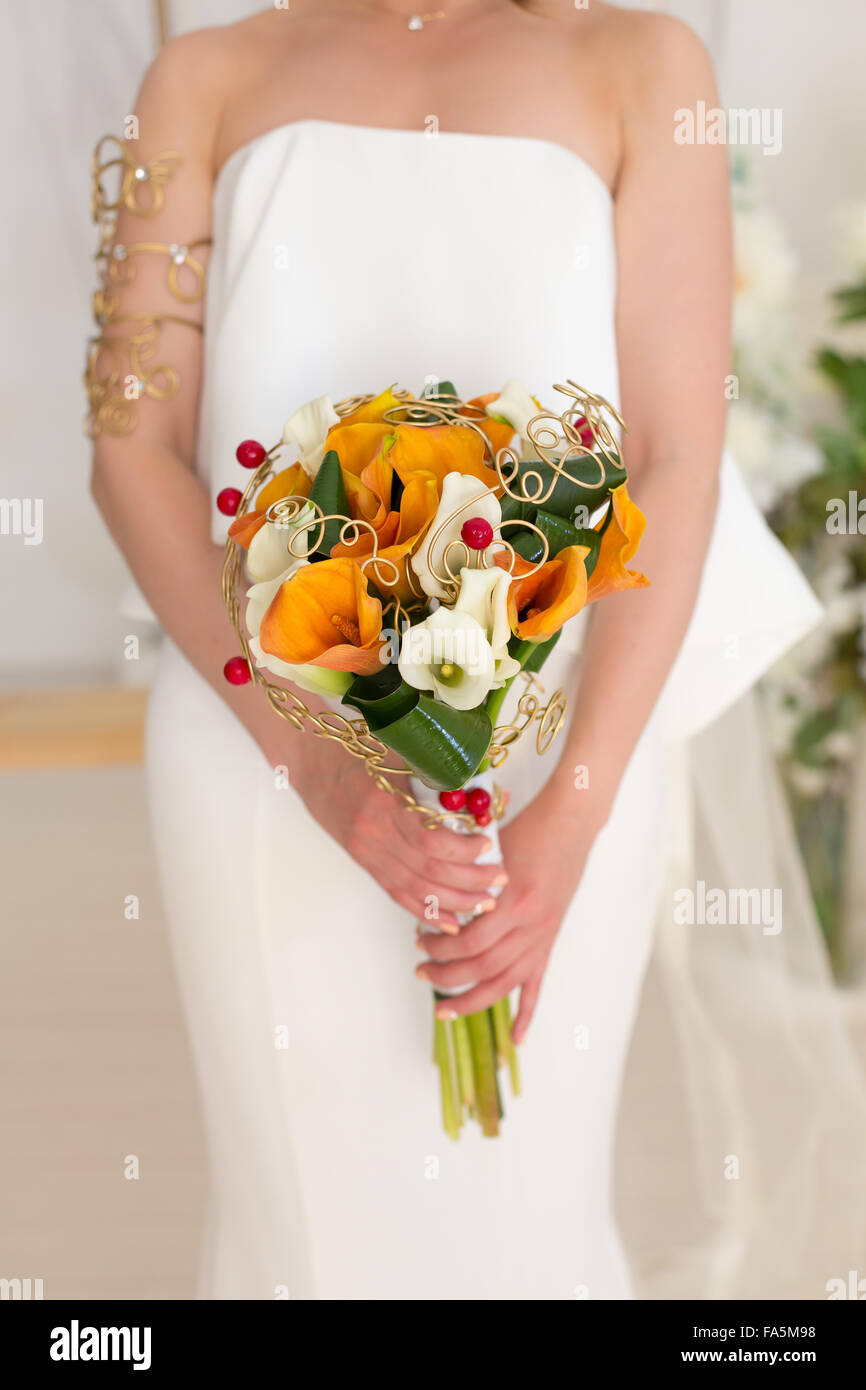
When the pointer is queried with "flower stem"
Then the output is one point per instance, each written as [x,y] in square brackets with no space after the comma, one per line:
[463,1061]
[505,1048]
[487,1101]
[451,1117]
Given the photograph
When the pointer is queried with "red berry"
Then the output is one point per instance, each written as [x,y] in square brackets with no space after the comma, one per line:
[250,453]
[237,670]
[584,430]
[477,533]
[477,802]
[229,500]
[453,801]
[484,819]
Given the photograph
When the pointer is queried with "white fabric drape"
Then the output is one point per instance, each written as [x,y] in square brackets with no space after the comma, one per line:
[757,1181]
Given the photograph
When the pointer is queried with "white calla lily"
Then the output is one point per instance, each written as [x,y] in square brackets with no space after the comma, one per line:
[449,654]
[458,490]
[516,407]
[484,595]
[308,429]
[316,679]
[269,554]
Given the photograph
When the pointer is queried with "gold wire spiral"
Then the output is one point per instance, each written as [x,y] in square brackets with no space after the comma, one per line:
[128,340]
[555,444]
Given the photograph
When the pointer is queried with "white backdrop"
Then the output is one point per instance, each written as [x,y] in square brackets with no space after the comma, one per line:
[68,73]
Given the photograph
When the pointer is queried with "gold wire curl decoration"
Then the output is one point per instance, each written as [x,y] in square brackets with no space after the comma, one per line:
[138,187]
[556,440]
[120,266]
[120,369]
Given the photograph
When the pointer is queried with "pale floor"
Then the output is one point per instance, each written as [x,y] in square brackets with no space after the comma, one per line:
[95,1062]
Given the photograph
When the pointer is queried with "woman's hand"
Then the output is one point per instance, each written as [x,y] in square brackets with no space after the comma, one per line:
[432,873]
[510,946]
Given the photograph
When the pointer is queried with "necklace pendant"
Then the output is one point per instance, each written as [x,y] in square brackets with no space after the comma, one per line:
[416,22]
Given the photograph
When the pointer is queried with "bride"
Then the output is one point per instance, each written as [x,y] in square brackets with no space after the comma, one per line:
[331,197]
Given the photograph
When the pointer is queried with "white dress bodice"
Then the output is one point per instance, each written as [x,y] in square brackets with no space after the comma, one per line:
[346,258]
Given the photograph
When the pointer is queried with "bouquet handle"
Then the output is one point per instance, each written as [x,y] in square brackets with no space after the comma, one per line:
[469,1049]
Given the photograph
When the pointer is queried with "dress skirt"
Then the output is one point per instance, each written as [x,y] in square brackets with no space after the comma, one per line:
[330,1176]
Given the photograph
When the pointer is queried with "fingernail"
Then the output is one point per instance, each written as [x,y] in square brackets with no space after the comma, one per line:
[486,846]
[499,881]
[420,944]
[421,973]
[486,905]
[449,928]
[447,1015]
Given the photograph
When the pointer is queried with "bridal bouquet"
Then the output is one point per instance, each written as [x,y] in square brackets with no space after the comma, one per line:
[417,557]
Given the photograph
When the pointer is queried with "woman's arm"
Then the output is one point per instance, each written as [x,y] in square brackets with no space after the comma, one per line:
[159,513]
[673,330]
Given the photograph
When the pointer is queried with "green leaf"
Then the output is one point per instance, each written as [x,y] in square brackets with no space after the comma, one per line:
[585,491]
[512,510]
[443,746]
[381,700]
[445,388]
[528,544]
[559,533]
[592,540]
[329,493]
[851,302]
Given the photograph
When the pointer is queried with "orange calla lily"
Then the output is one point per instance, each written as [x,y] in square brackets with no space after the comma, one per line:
[498,433]
[374,411]
[619,543]
[440,449]
[396,532]
[292,482]
[540,603]
[324,615]
[358,444]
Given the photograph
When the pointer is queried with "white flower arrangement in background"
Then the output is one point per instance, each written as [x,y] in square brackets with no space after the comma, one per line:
[766,433]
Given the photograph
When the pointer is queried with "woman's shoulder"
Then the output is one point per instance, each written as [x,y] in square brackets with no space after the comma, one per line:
[194,79]
[655,64]
[652,49]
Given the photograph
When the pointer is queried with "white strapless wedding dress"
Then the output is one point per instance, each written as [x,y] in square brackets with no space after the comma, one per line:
[346,258]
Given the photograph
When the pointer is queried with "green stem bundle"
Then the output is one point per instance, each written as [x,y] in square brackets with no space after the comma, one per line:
[468,1052]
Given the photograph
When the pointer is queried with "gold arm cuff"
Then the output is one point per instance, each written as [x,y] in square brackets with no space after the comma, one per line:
[120,370]
[141,186]
[120,365]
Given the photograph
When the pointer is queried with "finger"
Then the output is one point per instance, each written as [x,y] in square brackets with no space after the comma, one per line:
[474,969]
[416,907]
[436,903]
[474,937]
[452,900]
[461,887]
[440,843]
[469,878]
[488,992]
[528,1000]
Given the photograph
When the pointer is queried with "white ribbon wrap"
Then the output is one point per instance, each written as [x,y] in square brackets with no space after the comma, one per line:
[426,796]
